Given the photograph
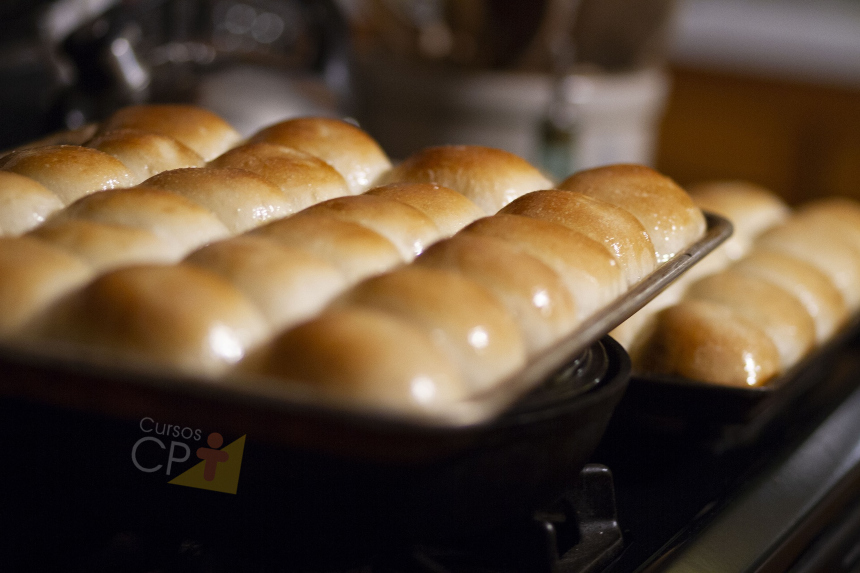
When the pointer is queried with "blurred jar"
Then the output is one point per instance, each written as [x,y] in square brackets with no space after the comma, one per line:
[566,84]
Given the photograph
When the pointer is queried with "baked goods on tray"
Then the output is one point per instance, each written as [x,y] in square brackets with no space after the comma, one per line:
[783,285]
[302,255]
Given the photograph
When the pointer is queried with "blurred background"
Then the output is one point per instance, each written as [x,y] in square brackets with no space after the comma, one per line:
[763,90]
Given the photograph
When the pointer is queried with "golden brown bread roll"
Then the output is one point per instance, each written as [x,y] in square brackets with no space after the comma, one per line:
[777,312]
[491,178]
[630,332]
[197,128]
[240,199]
[808,284]
[32,275]
[365,357]
[347,148]
[837,213]
[406,227]
[532,292]
[69,171]
[145,153]
[587,269]
[705,341]
[106,246]
[24,203]
[670,217]
[356,250]
[752,210]
[822,246]
[287,284]
[460,316]
[175,316]
[449,210]
[613,227]
[170,216]
[303,178]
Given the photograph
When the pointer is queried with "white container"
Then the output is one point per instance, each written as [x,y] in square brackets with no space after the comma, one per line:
[599,119]
[407,108]
[579,121]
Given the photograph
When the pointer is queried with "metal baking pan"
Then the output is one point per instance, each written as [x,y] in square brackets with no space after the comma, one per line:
[271,408]
[95,475]
[727,417]
[326,476]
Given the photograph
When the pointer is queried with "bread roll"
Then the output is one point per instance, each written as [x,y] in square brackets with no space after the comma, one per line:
[837,213]
[199,129]
[450,211]
[808,284]
[461,317]
[822,246]
[175,316]
[670,217]
[32,275]
[613,227]
[350,150]
[364,357]
[629,333]
[778,313]
[303,178]
[240,199]
[24,203]
[286,284]
[106,246]
[172,217]
[704,341]
[587,269]
[145,153]
[532,292]
[355,250]
[491,178]
[70,172]
[406,227]
[752,210]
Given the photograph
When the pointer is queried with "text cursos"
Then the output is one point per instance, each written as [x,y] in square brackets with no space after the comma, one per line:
[148,425]
[177,452]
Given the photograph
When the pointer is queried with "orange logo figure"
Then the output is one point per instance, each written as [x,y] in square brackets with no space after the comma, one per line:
[212,455]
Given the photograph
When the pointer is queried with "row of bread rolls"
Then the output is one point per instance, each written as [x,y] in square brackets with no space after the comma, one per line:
[308,159]
[470,310]
[464,315]
[751,209]
[177,210]
[131,145]
[272,276]
[98,224]
[786,283]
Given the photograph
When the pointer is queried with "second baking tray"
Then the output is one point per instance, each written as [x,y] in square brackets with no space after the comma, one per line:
[722,417]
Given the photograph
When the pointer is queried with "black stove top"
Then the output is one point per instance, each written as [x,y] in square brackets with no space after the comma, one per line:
[789,500]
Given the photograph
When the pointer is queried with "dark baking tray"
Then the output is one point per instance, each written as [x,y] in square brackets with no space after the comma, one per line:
[101,386]
[323,473]
[74,473]
[727,417]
